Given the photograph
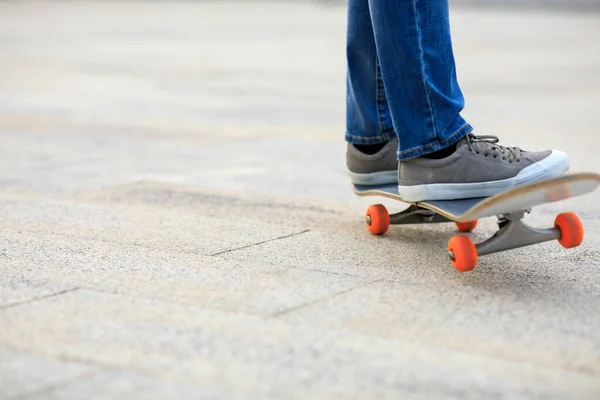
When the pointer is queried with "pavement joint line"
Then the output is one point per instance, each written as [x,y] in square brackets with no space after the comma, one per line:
[74,198]
[68,163]
[148,296]
[329,272]
[93,239]
[59,357]
[125,244]
[259,243]
[309,303]
[38,298]
[129,244]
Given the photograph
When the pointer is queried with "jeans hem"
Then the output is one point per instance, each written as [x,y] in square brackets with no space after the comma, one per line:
[383,137]
[436,145]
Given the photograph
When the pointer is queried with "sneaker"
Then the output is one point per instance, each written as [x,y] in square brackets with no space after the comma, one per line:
[373,169]
[479,167]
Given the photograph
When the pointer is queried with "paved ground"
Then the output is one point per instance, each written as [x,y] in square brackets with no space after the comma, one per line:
[176,221]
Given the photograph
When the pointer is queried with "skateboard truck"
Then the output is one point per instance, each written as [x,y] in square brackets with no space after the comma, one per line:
[416,215]
[512,232]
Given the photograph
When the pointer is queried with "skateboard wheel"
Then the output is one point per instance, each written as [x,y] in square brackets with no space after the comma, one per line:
[466,226]
[571,229]
[378,219]
[463,253]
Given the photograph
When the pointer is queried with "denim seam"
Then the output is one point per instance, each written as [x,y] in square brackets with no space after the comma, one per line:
[377,98]
[421,149]
[422,56]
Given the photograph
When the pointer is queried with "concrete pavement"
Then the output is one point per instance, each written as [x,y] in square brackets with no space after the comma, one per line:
[176,221]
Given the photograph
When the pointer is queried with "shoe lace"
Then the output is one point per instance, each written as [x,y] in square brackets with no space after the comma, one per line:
[487,144]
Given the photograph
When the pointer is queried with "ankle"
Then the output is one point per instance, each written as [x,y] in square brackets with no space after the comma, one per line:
[442,153]
[370,149]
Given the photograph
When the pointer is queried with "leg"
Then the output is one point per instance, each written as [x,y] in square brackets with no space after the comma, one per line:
[418,70]
[401,74]
[439,157]
[400,77]
[372,143]
[367,111]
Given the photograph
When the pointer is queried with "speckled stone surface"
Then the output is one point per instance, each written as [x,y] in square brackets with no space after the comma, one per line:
[176,220]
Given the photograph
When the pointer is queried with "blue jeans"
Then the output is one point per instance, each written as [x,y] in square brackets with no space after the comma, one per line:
[402,77]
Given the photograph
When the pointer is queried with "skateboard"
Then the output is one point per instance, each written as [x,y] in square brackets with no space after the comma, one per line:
[509,206]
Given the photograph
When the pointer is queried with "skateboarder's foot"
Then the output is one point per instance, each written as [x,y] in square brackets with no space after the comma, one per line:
[479,167]
[376,167]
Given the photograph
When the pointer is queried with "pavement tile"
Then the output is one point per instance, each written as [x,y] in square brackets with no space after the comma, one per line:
[266,356]
[148,227]
[545,324]
[45,264]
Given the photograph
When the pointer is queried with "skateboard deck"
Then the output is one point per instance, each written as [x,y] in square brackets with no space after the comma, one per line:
[515,199]
[509,206]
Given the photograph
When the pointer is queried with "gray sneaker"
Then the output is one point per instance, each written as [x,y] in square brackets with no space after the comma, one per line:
[479,167]
[373,169]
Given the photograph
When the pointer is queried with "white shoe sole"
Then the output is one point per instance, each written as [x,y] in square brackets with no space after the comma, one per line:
[374,178]
[556,164]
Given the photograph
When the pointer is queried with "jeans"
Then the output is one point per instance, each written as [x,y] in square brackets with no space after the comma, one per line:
[401,77]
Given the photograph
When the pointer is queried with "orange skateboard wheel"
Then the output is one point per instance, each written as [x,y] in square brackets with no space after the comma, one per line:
[571,229]
[466,226]
[378,219]
[463,253]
